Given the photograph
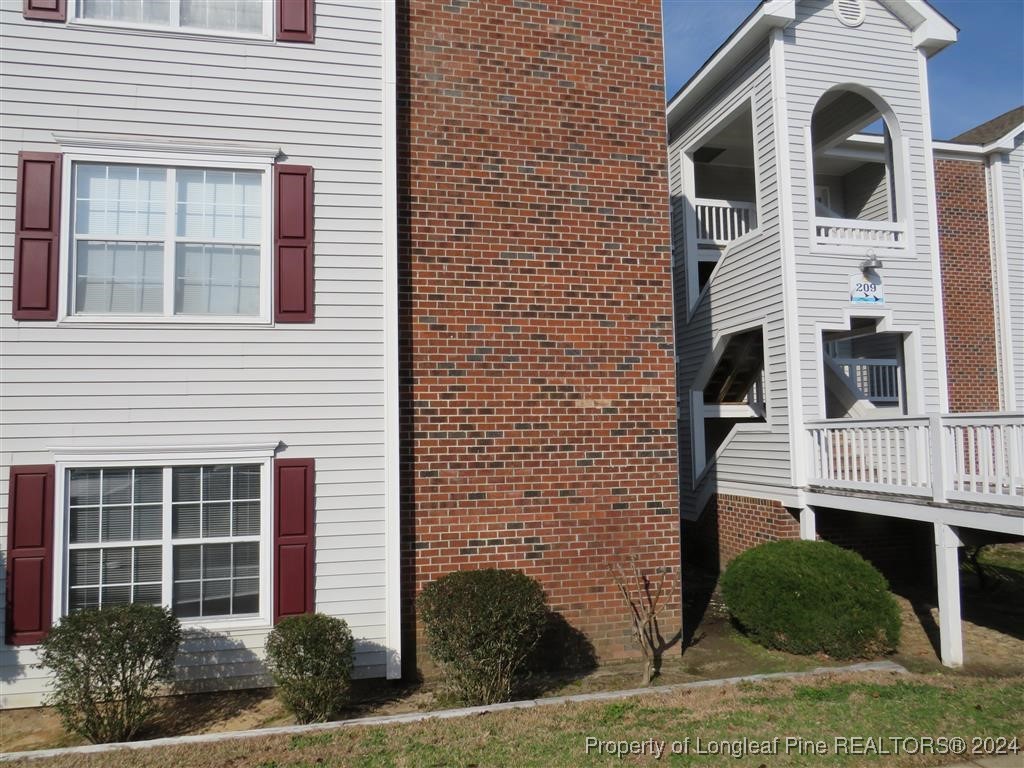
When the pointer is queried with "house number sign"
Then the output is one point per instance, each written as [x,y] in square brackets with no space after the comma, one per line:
[866,289]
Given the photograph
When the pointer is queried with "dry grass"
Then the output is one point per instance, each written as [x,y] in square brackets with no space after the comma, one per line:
[878,704]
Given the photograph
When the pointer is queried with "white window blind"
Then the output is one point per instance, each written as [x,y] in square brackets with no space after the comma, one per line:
[188,537]
[140,249]
[238,16]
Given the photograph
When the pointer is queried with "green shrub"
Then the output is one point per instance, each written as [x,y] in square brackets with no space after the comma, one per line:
[310,657]
[108,664]
[481,627]
[811,596]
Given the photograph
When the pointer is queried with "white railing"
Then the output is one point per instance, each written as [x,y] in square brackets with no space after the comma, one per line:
[878,234]
[962,457]
[984,456]
[878,379]
[871,454]
[719,222]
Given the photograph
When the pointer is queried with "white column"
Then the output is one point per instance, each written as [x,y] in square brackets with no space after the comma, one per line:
[947,573]
[808,526]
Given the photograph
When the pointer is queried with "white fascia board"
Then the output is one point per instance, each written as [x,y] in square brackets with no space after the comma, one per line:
[1003,144]
[931,30]
[918,509]
[952,150]
[730,411]
[770,15]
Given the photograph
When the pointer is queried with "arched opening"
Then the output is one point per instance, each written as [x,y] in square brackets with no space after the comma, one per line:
[856,167]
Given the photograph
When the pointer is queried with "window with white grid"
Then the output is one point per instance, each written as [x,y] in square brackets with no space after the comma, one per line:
[189,537]
[234,17]
[159,241]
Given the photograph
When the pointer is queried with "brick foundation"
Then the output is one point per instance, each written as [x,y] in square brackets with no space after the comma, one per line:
[538,420]
[732,524]
[972,367]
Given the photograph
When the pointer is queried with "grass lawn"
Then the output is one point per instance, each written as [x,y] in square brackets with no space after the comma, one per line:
[880,705]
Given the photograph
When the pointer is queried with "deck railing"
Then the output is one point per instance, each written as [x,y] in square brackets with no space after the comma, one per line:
[878,379]
[719,222]
[963,457]
[876,234]
[984,457]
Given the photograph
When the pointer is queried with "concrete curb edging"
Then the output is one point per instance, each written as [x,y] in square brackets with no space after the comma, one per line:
[444,714]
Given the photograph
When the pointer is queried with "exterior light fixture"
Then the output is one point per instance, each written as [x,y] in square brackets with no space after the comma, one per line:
[872,262]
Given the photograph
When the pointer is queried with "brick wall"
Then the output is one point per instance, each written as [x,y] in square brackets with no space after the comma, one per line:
[732,524]
[967,286]
[538,394]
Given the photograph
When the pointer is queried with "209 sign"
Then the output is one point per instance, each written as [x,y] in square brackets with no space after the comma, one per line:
[866,290]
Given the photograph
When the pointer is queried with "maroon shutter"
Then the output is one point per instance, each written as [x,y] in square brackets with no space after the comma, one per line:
[37,236]
[293,244]
[29,553]
[46,10]
[293,537]
[295,21]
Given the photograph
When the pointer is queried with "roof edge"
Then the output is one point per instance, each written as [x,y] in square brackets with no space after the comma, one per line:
[932,32]
[768,15]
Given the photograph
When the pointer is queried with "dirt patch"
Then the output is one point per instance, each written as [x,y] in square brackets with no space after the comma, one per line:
[993,644]
[992,603]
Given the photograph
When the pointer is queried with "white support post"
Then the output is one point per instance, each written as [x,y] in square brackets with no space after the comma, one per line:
[947,576]
[808,525]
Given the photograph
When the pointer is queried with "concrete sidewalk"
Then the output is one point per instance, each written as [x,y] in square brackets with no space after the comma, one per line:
[443,714]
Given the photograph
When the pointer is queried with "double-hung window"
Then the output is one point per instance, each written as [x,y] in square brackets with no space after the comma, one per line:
[192,537]
[231,17]
[154,241]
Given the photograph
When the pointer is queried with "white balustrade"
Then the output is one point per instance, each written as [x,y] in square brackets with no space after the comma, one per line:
[878,379]
[961,457]
[877,234]
[871,454]
[985,456]
[719,222]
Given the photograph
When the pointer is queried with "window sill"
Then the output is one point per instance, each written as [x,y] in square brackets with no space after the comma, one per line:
[175,32]
[194,629]
[144,322]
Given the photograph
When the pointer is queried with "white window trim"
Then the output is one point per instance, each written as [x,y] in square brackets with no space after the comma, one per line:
[914,372]
[267,33]
[81,458]
[166,154]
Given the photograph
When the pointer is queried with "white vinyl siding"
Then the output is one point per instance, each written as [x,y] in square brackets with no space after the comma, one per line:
[1013,201]
[318,388]
[756,459]
[822,53]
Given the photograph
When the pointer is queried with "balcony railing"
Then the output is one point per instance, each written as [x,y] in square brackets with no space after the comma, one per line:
[876,234]
[878,379]
[719,222]
[963,457]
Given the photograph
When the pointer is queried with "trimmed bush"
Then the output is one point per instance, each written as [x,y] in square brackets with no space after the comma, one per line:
[481,628]
[108,665]
[812,597]
[310,657]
